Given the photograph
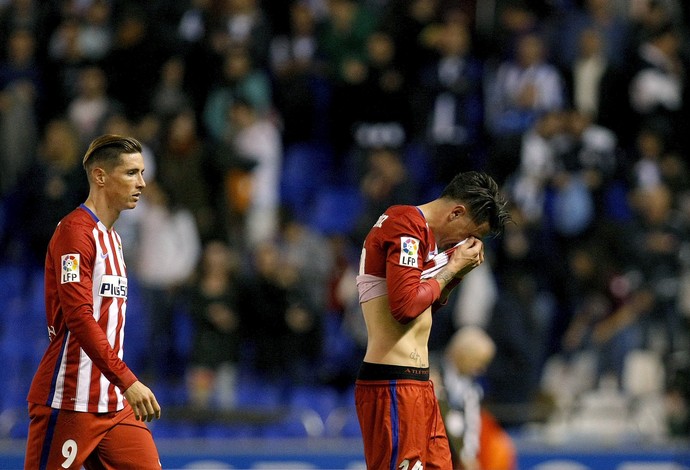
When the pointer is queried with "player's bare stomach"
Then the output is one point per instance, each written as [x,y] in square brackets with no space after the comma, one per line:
[391,342]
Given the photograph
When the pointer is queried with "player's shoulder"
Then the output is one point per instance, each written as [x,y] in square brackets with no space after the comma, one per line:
[405,214]
[403,211]
[401,220]
[76,223]
[78,217]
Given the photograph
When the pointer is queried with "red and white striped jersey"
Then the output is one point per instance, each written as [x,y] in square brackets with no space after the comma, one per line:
[397,249]
[86,301]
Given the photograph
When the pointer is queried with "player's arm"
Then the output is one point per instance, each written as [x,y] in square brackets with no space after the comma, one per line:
[408,294]
[76,299]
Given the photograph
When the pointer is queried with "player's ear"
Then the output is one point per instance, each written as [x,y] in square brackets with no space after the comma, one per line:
[98,175]
[458,211]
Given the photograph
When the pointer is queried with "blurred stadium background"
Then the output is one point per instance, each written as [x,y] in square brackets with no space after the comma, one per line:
[344,107]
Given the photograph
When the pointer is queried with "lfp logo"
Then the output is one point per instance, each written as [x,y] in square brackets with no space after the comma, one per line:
[409,247]
[70,268]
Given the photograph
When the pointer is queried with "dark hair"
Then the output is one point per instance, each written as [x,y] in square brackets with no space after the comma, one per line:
[483,198]
[107,149]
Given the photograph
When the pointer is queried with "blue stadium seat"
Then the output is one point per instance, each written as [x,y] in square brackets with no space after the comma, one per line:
[336,210]
[417,161]
[304,166]
[342,422]
[11,280]
[320,399]
[298,423]
[255,393]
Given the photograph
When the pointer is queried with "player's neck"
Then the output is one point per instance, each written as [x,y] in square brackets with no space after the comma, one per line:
[431,212]
[99,206]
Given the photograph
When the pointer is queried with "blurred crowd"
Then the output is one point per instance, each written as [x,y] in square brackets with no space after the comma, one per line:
[276,132]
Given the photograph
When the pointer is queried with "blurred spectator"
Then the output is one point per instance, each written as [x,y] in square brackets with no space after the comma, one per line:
[519,323]
[64,63]
[247,26]
[282,326]
[473,302]
[452,103]
[377,99]
[500,29]
[595,85]
[342,358]
[414,27]
[385,182]
[520,91]
[184,164]
[28,15]
[649,15]
[170,248]
[21,91]
[593,155]
[645,161]
[253,137]
[607,322]
[678,396]
[659,85]
[193,24]
[342,43]
[52,187]
[386,88]
[655,238]
[600,16]
[298,83]
[91,106]
[478,440]
[240,77]
[217,337]
[530,279]
[170,95]
[343,36]
[538,161]
[134,62]
[311,254]
[96,32]
[466,358]
[586,166]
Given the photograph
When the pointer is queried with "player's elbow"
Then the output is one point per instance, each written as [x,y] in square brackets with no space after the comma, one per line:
[408,307]
[404,314]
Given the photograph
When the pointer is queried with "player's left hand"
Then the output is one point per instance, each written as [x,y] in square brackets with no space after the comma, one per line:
[143,402]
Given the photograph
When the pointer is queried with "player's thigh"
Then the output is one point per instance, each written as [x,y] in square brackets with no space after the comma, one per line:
[439,454]
[59,439]
[126,446]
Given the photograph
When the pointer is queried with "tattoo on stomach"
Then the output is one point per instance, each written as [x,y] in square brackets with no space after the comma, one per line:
[417,358]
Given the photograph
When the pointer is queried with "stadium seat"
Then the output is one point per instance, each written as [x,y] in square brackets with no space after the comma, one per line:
[255,393]
[320,399]
[336,210]
[342,422]
[304,166]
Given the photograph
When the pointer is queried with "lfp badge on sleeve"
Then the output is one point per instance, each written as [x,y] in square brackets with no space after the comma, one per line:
[70,268]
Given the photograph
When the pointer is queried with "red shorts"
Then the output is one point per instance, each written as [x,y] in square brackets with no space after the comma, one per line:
[61,439]
[401,422]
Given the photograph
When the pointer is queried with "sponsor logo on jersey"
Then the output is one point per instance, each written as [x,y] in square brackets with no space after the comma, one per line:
[113,286]
[409,247]
[70,268]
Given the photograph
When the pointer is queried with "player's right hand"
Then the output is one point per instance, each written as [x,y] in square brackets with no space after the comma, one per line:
[143,402]
[468,256]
